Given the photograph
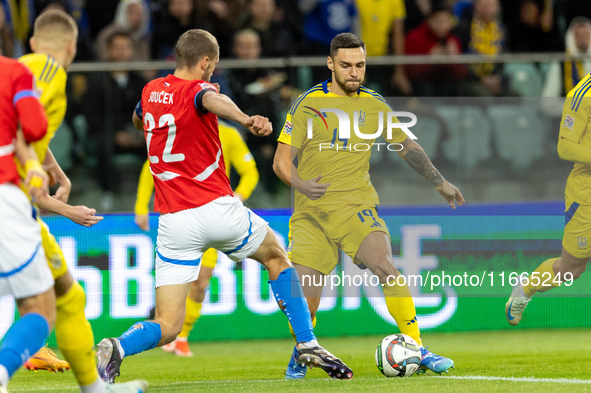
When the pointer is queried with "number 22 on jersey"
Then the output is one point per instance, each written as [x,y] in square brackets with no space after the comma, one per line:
[166,120]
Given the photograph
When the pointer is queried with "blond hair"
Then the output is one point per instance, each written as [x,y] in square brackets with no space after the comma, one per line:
[53,26]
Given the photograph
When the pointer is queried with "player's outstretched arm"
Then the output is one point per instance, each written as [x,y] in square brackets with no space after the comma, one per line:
[223,106]
[417,159]
[288,173]
[57,176]
[81,215]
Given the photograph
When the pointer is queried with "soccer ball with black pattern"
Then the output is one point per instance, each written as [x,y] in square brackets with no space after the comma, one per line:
[398,355]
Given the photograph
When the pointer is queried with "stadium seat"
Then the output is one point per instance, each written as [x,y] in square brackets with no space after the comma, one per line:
[524,79]
[61,146]
[520,134]
[428,133]
[470,132]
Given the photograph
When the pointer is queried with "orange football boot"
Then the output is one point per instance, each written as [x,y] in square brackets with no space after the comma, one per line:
[46,359]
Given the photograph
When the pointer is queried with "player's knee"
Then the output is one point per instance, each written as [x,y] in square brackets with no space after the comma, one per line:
[576,271]
[565,268]
[383,270]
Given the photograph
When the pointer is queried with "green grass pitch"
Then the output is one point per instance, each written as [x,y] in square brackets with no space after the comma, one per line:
[530,361]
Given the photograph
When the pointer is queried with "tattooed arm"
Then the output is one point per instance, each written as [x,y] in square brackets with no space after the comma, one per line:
[417,159]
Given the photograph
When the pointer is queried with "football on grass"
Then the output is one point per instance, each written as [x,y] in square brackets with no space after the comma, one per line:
[398,355]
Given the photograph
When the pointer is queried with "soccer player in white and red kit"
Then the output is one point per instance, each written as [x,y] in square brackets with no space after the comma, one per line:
[179,116]
[23,270]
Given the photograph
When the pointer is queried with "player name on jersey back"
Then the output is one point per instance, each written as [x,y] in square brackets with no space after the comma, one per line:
[161,97]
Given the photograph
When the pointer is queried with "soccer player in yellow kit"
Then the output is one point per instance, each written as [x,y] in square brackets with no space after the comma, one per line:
[336,206]
[574,144]
[237,155]
[342,211]
[54,47]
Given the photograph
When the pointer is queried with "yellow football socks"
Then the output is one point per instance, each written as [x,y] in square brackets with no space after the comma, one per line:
[540,277]
[192,315]
[74,335]
[402,308]
[293,333]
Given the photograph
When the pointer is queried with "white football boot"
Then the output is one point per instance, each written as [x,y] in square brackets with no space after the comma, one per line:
[516,304]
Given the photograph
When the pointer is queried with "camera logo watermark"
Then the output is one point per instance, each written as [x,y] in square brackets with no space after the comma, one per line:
[343,131]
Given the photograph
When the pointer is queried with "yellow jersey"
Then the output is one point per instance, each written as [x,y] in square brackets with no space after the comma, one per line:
[51,83]
[236,154]
[376,18]
[576,126]
[312,126]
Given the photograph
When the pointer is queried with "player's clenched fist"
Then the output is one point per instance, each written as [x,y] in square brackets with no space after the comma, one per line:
[258,125]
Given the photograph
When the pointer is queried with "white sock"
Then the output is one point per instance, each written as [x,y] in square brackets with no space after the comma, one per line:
[121,351]
[310,344]
[97,386]
[4,378]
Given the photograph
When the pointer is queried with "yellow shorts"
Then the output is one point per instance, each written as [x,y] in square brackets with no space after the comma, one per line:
[53,252]
[209,258]
[577,229]
[316,237]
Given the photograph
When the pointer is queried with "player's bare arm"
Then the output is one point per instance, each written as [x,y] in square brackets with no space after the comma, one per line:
[81,215]
[57,176]
[288,173]
[137,122]
[36,181]
[417,159]
[223,106]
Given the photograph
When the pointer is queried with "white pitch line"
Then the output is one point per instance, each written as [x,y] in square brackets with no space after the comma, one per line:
[522,379]
[474,377]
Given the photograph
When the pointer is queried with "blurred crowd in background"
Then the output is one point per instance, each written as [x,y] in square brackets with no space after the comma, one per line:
[100,135]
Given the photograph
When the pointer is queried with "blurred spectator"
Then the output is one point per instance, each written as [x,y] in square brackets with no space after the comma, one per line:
[461,7]
[291,16]
[324,19]
[256,91]
[108,102]
[77,11]
[6,37]
[132,16]
[178,18]
[531,26]
[100,14]
[562,79]
[220,18]
[276,37]
[382,22]
[434,37]
[482,32]
[19,16]
[569,9]
[416,13]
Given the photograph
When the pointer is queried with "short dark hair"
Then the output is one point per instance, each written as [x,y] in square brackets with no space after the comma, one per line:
[194,45]
[345,41]
[116,34]
[439,6]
